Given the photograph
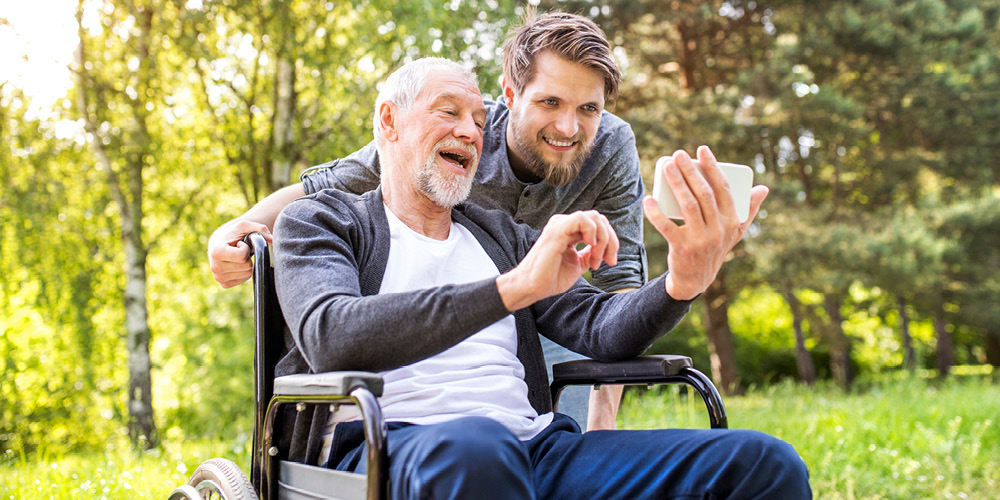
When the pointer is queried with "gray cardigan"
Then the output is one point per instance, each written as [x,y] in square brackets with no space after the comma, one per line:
[331,250]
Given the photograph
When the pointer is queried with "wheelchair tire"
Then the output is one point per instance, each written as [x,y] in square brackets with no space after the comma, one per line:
[221,479]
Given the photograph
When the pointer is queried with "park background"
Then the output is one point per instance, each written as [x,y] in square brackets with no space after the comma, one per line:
[858,320]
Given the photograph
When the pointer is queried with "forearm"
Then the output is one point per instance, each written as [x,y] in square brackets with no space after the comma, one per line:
[620,202]
[266,211]
[610,326]
[383,332]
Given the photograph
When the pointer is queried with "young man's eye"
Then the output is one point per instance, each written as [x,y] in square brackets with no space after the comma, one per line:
[551,102]
[590,108]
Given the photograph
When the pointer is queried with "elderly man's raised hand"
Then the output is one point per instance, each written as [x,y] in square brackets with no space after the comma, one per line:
[711,225]
[554,263]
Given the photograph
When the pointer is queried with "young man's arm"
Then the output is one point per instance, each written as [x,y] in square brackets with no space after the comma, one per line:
[228,255]
[620,200]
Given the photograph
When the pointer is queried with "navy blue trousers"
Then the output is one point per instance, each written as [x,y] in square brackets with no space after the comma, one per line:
[477,458]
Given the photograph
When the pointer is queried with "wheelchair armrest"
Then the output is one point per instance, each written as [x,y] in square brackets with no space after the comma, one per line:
[661,369]
[362,388]
[638,370]
[327,384]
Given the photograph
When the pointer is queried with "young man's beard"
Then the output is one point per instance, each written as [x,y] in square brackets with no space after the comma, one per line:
[445,189]
[556,175]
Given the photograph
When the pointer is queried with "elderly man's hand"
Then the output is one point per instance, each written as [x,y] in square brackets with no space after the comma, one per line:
[554,263]
[228,255]
[711,226]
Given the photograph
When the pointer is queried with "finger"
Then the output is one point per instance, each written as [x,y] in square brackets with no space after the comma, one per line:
[244,227]
[232,281]
[232,271]
[666,227]
[685,181]
[757,196]
[599,241]
[718,181]
[701,190]
[239,252]
[583,257]
[610,254]
[584,228]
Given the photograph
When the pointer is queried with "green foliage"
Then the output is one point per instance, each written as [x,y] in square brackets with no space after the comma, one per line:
[874,123]
[57,310]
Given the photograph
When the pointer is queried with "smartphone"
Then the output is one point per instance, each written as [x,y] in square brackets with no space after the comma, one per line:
[740,181]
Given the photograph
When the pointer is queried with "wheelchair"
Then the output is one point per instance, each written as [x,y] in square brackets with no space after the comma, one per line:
[271,478]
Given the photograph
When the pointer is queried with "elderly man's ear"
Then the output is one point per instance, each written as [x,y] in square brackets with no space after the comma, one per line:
[387,114]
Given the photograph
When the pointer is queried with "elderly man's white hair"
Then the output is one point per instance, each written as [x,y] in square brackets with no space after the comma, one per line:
[403,85]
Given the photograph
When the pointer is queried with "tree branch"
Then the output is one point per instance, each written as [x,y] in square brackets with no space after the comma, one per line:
[90,125]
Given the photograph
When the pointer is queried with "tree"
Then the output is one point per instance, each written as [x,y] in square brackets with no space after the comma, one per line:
[283,82]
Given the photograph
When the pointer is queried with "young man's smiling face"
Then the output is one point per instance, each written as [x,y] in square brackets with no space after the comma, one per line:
[554,120]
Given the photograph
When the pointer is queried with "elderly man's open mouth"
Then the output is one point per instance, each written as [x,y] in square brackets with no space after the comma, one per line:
[457,158]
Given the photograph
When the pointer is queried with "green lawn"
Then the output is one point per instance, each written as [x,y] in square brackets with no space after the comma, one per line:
[902,438]
[892,439]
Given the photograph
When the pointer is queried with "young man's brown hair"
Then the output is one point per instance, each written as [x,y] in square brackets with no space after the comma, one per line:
[570,36]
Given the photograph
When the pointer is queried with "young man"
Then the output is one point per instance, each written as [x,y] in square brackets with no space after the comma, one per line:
[445,299]
[549,148]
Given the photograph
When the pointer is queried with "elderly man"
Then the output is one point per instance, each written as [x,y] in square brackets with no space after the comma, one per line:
[445,300]
[549,147]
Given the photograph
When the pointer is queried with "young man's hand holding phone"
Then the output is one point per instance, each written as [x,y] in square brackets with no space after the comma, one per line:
[740,179]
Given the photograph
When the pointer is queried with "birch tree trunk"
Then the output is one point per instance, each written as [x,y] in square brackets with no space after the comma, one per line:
[128,198]
[283,125]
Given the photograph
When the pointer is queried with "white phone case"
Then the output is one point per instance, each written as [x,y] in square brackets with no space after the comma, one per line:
[740,181]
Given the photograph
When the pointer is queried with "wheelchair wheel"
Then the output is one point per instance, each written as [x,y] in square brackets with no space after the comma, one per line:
[221,479]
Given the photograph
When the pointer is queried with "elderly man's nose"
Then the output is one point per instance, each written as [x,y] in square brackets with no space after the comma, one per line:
[467,128]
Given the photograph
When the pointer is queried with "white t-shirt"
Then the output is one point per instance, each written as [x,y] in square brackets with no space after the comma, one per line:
[480,376]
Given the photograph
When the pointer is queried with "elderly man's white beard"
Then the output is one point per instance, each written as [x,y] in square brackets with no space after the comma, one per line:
[444,188]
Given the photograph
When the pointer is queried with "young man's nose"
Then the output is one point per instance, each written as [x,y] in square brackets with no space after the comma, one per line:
[567,124]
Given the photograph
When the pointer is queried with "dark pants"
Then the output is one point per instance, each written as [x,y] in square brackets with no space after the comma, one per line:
[477,458]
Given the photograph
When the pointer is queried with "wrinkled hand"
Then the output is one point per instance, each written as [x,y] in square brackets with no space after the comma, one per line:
[553,264]
[228,255]
[711,226]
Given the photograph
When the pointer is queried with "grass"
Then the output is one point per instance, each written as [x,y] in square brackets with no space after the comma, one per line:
[115,473]
[898,437]
[902,438]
